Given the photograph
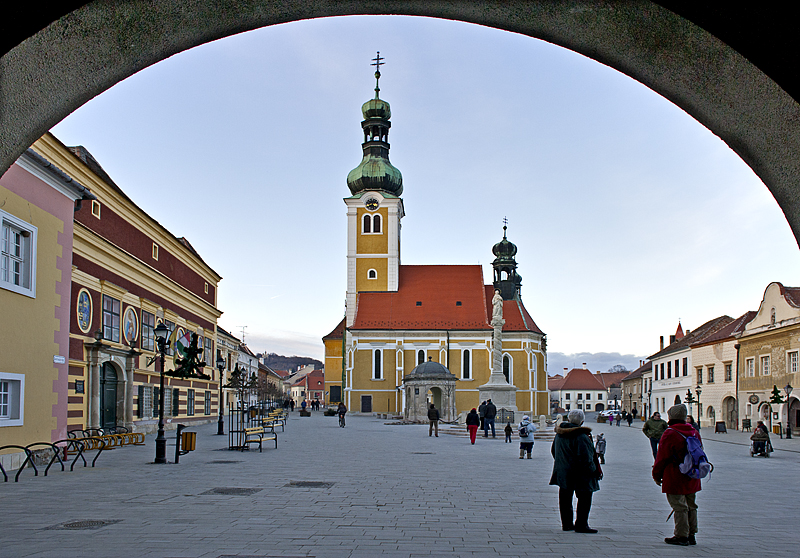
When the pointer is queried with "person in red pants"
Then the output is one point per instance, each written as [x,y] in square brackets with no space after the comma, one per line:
[473,421]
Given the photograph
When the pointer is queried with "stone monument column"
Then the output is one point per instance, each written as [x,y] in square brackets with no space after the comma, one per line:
[502,394]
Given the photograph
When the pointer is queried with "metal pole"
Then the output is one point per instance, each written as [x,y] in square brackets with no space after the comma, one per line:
[161,439]
[221,421]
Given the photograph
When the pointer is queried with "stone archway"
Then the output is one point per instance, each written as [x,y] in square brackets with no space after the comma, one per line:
[730,413]
[85,52]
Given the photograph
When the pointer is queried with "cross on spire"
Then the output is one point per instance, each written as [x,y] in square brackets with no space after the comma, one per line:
[505,226]
[377,62]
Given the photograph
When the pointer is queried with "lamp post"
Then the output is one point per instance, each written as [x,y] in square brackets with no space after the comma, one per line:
[161,332]
[650,400]
[788,391]
[689,399]
[630,401]
[221,421]
[698,390]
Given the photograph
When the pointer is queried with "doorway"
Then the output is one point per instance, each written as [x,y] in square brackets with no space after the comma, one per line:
[729,413]
[435,397]
[108,396]
[366,403]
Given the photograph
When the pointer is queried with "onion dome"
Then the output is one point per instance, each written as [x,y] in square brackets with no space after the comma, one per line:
[375,171]
[506,278]
[504,250]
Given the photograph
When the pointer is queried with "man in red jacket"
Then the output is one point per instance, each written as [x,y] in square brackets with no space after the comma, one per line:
[679,488]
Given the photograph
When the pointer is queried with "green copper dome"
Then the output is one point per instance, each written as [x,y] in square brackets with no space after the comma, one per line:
[376,108]
[375,171]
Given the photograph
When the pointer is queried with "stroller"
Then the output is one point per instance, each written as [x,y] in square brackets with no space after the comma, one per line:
[760,444]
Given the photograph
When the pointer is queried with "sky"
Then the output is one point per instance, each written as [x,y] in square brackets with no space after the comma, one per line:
[629,216]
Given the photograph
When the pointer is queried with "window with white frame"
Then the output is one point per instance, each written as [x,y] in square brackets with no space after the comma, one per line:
[466,364]
[110,318]
[765,365]
[372,274]
[208,352]
[17,255]
[377,362]
[588,396]
[12,399]
[791,362]
[420,356]
[148,331]
[750,366]
[566,396]
[728,372]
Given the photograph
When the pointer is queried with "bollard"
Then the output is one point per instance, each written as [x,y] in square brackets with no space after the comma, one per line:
[178,444]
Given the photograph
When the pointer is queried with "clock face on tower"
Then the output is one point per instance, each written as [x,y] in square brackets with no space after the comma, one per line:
[372,204]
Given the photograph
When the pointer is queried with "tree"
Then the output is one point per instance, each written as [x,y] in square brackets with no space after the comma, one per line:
[618,368]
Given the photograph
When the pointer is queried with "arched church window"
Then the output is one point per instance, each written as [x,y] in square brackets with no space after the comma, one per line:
[376,364]
[376,223]
[466,366]
[367,223]
[507,368]
[420,356]
[372,274]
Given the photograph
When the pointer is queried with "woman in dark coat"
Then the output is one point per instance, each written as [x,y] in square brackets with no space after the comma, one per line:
[473,420]
[575,471]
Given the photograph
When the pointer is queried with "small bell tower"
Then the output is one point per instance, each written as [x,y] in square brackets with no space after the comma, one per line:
[506,278]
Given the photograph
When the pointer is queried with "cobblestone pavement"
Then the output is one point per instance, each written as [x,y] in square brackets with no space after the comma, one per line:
[393,492]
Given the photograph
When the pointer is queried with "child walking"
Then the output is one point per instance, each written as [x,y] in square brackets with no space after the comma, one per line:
[600,448]
[508,431]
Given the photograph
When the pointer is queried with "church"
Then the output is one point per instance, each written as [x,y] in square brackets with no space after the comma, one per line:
[400,316]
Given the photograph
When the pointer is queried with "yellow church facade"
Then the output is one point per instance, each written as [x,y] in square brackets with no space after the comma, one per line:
[399,316]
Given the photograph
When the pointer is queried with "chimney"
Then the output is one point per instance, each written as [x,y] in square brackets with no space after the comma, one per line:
[661,343]
[671,339]
[688,331]
[584,366]
[566,370]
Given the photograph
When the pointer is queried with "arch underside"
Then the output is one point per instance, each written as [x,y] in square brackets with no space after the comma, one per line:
[46,77]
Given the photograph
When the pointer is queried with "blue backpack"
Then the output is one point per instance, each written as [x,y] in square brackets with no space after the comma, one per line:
[695,463]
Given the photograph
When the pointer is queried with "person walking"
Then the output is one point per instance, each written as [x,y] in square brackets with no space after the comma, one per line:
[653,429]
[600,448]
[526,430]
[619,418]
[508,430]
[482,412]
[488,419]
[433,417]
[291,404]
[575,471]
[681,489]
[634,412]
[611,419]
[629,418]
[473,421]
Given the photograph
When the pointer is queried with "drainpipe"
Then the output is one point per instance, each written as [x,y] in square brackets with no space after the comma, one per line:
[738,404]
[448,350]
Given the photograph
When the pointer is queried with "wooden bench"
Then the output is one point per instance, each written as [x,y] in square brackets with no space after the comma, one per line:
[271,423]
[257,435]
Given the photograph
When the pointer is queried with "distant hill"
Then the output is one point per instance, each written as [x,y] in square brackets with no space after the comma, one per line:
[280,362]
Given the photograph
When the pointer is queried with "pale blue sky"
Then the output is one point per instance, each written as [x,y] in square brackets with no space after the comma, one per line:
[627,213]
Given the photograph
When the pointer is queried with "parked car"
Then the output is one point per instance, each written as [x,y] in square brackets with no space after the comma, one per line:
[608,412]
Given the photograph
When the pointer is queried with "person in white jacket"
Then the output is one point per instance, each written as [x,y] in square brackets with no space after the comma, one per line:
[527,428]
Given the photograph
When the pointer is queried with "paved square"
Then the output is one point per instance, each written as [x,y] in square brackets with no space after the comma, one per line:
[391,491]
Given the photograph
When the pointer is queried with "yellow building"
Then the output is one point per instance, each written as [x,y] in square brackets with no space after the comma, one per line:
[37,202]
[399,316]
[768,357]
[128,274]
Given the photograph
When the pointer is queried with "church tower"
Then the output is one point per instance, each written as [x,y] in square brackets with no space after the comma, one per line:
[374,209]
[506,278]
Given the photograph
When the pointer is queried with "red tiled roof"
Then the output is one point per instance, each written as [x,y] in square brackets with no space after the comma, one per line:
[437,289]
[581,378]
[554,383]
[336,333]
[611,379]
[437,297]
[791,294]
[514,313]
[639,371]
[727,332]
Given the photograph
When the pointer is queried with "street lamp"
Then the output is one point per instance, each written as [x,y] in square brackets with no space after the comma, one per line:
[650,399]
[630,401]
[788,391]
[698,390]
[690,399]
[221,421]
[161,332]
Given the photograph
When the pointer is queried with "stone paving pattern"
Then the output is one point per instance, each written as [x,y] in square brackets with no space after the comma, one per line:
[397,493]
